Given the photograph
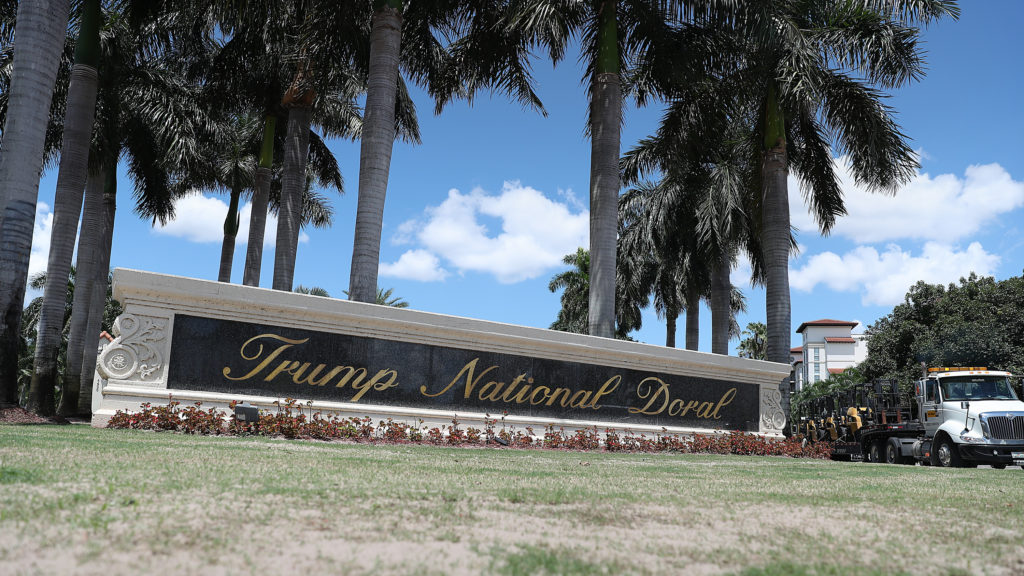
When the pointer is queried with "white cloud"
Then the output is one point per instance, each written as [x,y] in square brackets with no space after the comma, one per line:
[415,265]
[944,208]
[535,233]
[40,255]
[883,278]
[199,218]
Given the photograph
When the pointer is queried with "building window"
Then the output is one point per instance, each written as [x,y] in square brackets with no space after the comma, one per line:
[817,351]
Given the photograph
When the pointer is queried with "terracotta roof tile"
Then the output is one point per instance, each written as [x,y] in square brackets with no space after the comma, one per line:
[839,340]
[836,370]
[825,322]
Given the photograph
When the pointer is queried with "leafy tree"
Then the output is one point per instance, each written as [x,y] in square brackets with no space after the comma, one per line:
[976,322]
[754,342]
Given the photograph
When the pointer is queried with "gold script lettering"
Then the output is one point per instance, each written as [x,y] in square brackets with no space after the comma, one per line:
[648,391]
[255,340]
[471,381]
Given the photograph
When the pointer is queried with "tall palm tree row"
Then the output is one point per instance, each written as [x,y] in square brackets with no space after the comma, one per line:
[37,45]
[755,90]
[149,115]
[71,178]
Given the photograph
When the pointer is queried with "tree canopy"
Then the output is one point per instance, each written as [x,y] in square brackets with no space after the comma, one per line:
[976,322]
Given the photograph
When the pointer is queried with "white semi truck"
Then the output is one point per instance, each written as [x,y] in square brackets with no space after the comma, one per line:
[958,417]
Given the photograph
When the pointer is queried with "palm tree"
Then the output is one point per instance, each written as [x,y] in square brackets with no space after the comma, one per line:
[71,177]
[616,35]
[484,53]
[811,69]
[94,287]
[312,291]
[575,286]
[755,342]
[149,115]
[703,203]
[30,320]
[385,298]
[40,38]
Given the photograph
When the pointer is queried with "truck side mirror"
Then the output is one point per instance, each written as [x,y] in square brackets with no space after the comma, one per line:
[965,405]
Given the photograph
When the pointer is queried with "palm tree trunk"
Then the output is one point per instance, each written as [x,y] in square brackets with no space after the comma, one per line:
[776,241]
[605,127]
[670,328]
[227,248]
[40,32]
[98,291]
[692,321]
[260,197]
[378,139]
[85,272]
[67,207]
[721,306]
[293,180]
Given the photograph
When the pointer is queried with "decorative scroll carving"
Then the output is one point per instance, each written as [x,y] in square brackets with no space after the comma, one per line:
[138,352]
[773,417]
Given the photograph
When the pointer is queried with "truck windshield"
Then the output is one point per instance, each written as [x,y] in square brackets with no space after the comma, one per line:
[956,388]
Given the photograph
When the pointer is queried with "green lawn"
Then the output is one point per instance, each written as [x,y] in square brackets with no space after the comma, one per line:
[112,502]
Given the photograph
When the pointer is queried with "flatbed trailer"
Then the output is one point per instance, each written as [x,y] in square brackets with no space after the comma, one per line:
[956,417]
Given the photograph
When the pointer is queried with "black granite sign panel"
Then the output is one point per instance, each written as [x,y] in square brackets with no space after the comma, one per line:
[243,358]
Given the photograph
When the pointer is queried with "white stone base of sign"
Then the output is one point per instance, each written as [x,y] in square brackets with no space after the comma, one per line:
[134,367]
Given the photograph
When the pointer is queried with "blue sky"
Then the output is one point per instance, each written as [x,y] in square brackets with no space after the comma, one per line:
[479,215]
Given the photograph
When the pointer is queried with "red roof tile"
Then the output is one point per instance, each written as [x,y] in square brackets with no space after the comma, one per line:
[796,349]
[825,322]
[839,340]
[836,370]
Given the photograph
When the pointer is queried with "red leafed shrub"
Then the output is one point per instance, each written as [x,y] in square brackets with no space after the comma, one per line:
[195,420]
[290,421]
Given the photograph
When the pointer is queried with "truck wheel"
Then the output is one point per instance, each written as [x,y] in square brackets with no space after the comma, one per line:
[947,454]
[893,454]
[875,452]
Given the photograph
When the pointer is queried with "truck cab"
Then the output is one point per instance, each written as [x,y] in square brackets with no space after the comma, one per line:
[971,416]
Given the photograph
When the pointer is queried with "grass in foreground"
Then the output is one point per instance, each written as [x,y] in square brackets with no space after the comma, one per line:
[117,502]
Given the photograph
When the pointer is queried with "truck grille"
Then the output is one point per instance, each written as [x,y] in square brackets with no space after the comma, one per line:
[1006,427]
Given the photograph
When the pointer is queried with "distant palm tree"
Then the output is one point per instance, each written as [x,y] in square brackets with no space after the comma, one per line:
[702,206]
[575,285]
[384,298]
[755,342]
[312,291]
